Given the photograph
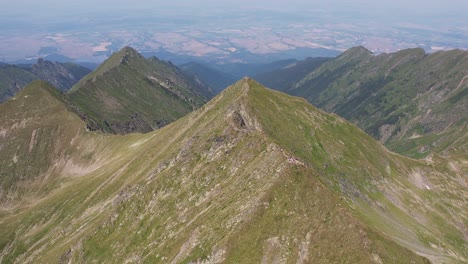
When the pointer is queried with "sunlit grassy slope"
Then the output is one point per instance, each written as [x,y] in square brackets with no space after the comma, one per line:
[129,93]
[414,103]
[253,176]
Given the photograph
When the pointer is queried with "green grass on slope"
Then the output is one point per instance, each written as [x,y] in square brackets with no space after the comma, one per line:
[393,194]
[217,185]
[397,98]
[128,93]
[39,138]
[135,96]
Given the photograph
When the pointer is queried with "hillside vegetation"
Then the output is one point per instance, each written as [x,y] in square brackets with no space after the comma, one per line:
[414,103]
[128,93]
[253,176]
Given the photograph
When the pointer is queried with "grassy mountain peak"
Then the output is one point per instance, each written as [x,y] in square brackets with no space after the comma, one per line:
[36,128]
[357,51]
[253,176]
[129,93]
[126,55]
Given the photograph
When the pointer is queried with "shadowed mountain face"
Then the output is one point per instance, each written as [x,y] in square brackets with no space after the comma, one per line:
[12,80]
[61,75]
[129,93]
[252,176]
[286,78]
[411,101]
[215,79]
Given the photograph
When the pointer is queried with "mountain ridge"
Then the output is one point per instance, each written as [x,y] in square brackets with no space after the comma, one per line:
[284,78]
[128,93]
[63,76]
[254,175]
[411,101]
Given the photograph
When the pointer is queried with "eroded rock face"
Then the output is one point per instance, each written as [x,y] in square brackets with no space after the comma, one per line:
[385,132]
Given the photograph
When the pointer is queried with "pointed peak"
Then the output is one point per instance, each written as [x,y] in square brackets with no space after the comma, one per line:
[357,51]
[245,84]
[39,84]
[250,82]
[153,58]
[128,50]
[42,62]
[243,93]
[360,49]
[37,89]
[127,55]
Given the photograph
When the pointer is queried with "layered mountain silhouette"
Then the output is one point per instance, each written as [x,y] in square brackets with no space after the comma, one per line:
[253,176]
[61,75]
[415,103]
[287,77]
[215,79]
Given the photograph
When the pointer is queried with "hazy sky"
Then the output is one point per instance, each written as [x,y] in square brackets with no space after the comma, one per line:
[385,24]
[429,13]
[43,6]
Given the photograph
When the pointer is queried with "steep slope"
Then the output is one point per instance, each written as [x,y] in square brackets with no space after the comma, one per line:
[411,101]
[12,80]
[39,138]
[61,75]
[176,75]
[215,79]
[286,78]
[253,176]
[129,93]
[420,204]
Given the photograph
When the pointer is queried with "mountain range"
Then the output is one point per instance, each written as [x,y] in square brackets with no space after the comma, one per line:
[251,176]
[414,103]
[213,78]
[61,75]
[289,75]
